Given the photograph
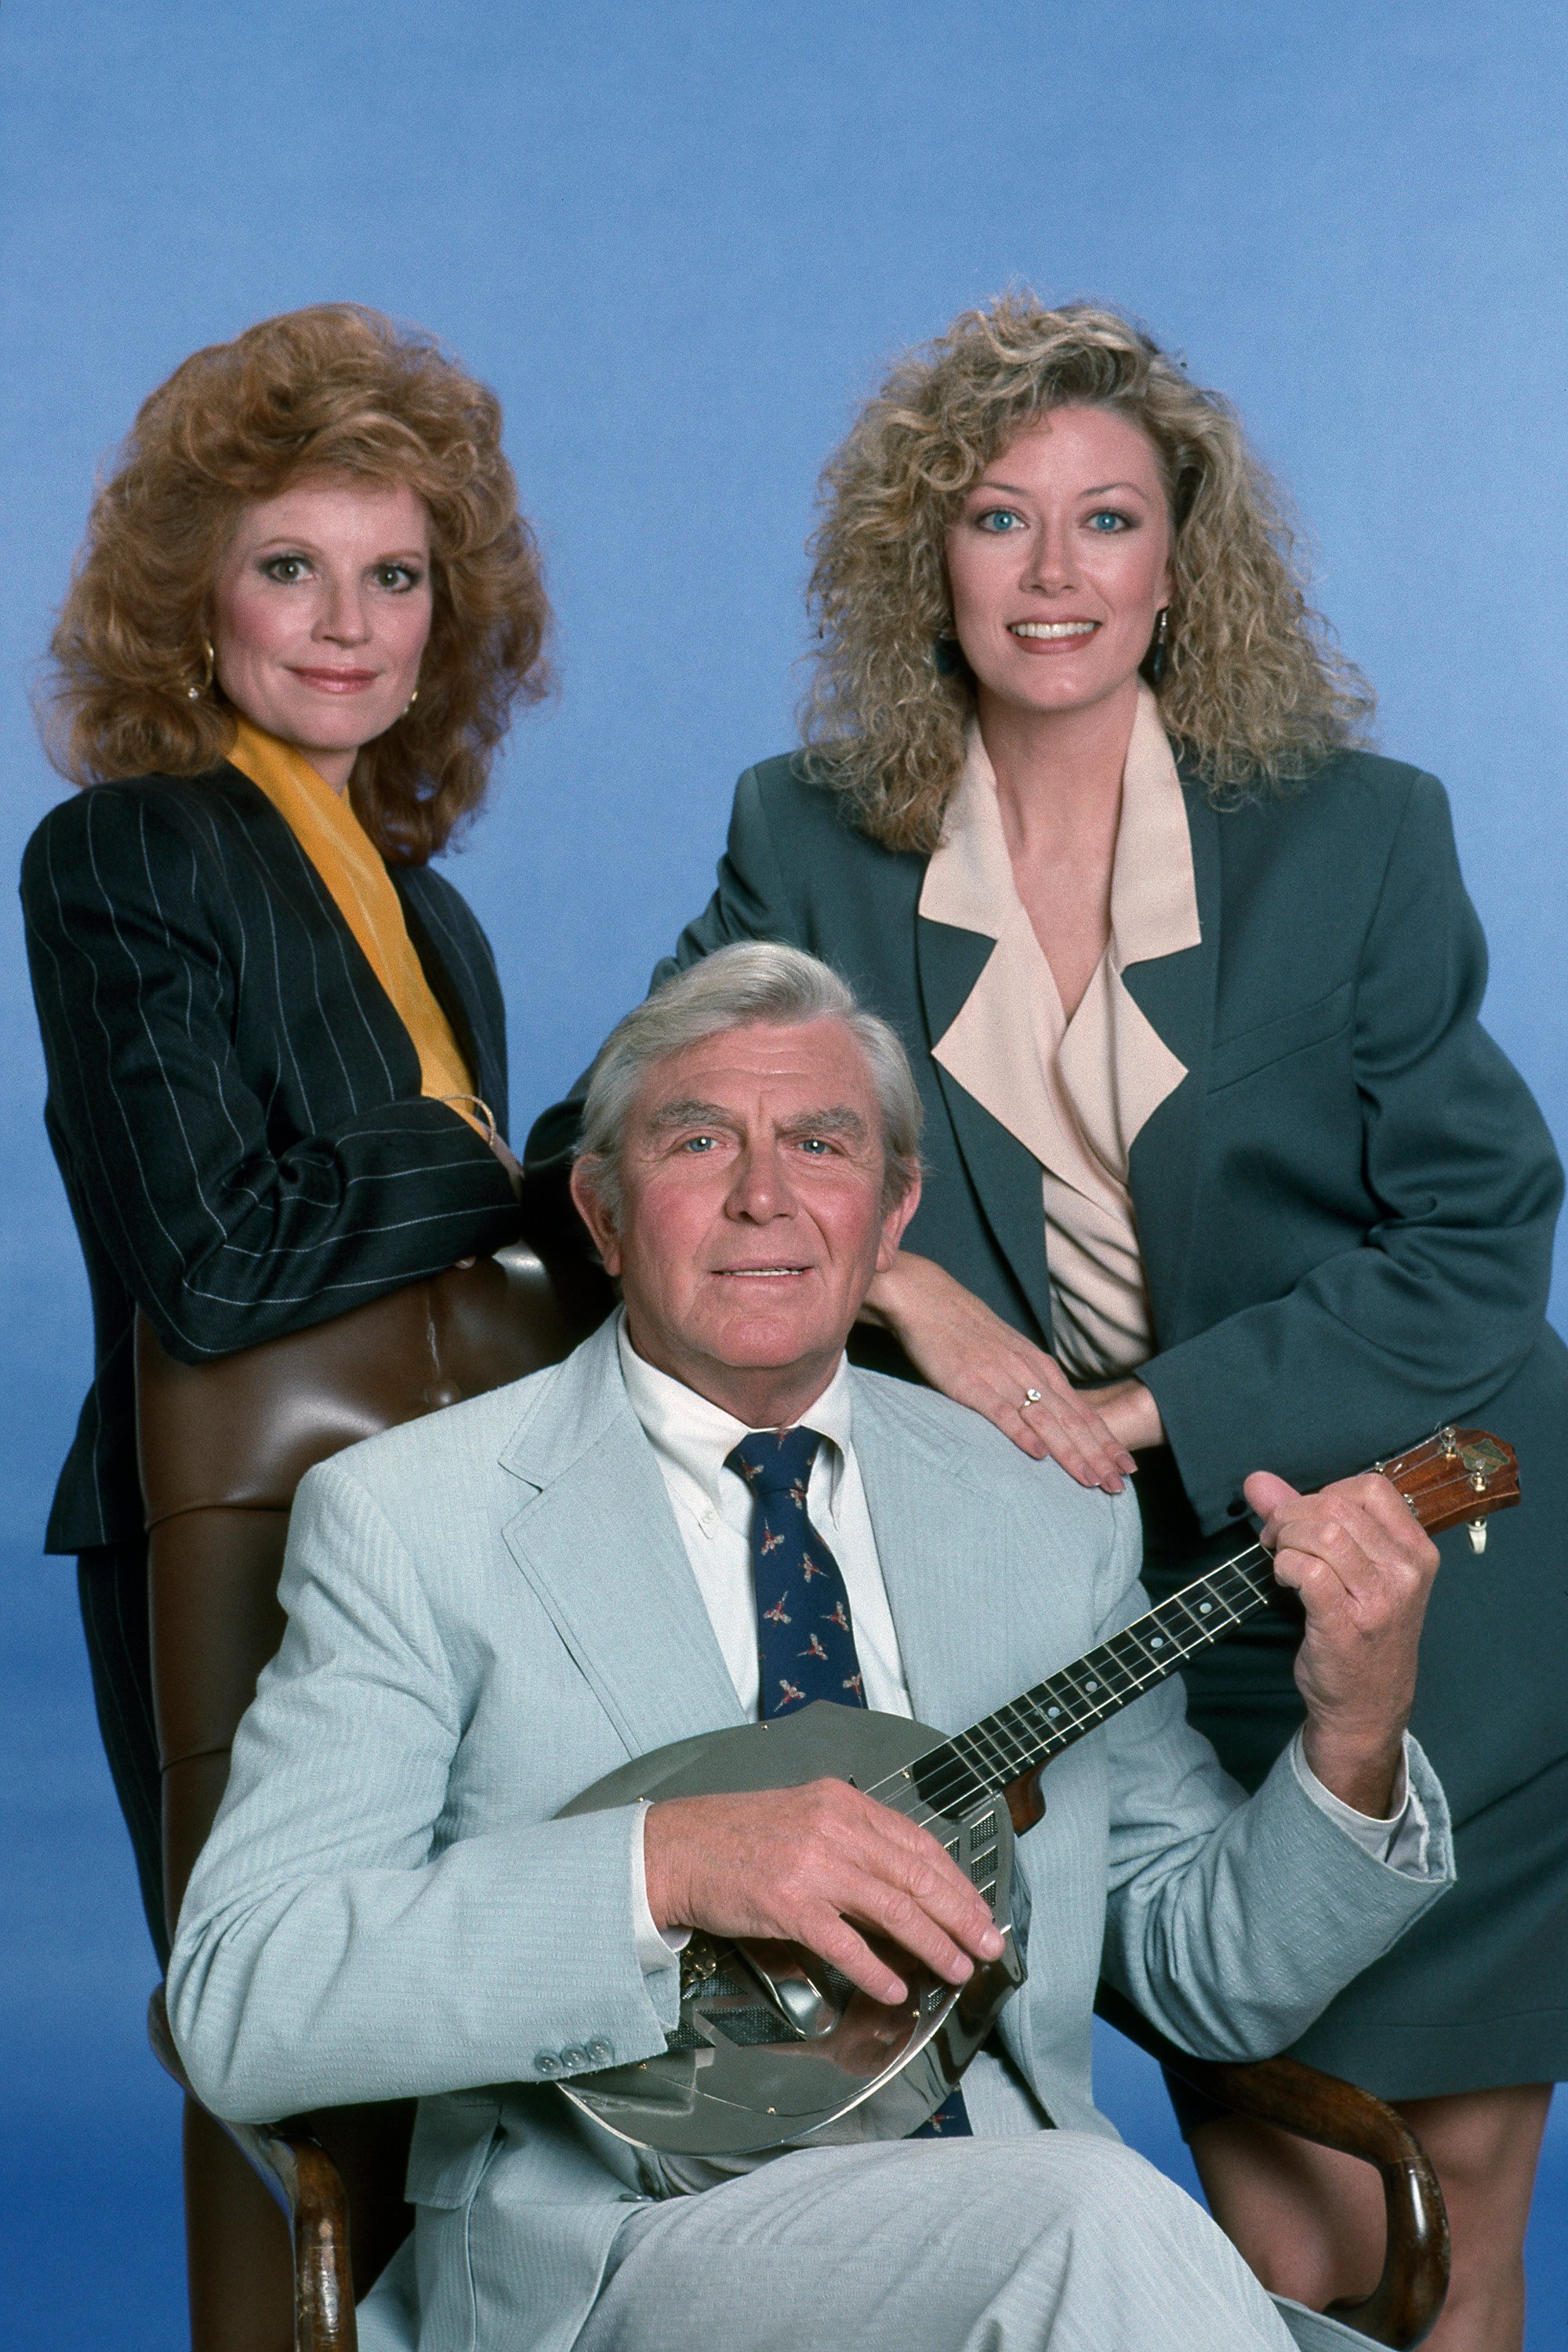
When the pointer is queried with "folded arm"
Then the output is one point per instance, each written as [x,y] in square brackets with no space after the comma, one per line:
[1443,1299]
[223,1235]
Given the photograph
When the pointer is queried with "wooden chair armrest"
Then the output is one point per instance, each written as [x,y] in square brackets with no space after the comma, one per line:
[1403,2306]
[304,2180]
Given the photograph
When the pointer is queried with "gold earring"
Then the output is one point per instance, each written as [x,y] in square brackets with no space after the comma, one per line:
[409,703]
[194,693]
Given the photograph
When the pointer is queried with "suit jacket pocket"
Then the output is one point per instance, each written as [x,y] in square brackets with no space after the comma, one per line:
[1255,1049]
[452,2141]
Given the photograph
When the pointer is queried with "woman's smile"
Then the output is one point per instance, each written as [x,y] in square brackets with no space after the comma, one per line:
[1051,633]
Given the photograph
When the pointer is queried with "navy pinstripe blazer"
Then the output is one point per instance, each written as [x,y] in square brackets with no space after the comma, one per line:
[233,1101]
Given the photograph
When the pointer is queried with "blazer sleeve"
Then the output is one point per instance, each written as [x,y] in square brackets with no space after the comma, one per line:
[1231,1923]
[1443,1298]
[223,1237]
[336,1942]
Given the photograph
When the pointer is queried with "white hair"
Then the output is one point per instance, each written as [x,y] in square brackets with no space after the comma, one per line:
[738,988]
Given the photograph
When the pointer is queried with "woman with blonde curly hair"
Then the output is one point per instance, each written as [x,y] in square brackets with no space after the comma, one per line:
[274,1037]
[1222,1171]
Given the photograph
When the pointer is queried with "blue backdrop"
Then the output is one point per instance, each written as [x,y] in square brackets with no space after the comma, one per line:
[681,242]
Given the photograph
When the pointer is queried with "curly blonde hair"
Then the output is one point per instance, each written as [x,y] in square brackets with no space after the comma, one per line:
[1253,687]
[336,389]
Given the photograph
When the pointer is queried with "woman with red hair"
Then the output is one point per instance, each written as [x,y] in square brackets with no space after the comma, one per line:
[274,1037]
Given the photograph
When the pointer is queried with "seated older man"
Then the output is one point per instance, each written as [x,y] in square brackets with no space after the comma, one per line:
[491,1608]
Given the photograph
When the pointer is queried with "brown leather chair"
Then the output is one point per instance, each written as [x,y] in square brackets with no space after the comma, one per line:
[223,1446]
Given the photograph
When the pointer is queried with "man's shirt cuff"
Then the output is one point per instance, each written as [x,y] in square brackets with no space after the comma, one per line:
[1403,1841]
[653,1947]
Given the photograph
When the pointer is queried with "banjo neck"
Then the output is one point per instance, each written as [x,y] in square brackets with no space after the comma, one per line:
[1458,1475]
[1003,1754]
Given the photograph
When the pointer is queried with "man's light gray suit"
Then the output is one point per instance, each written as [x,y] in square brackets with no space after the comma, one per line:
[490,1610]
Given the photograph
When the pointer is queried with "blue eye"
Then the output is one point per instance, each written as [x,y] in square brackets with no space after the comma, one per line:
[1108,520]
[1000,522]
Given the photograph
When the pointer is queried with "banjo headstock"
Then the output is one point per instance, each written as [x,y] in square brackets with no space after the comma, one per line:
[1456,1478]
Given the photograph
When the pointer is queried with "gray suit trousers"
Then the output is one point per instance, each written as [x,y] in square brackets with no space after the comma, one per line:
[1064,2241]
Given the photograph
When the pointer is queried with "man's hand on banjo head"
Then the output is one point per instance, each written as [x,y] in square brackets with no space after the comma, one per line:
[822,1865]
[1363,1568]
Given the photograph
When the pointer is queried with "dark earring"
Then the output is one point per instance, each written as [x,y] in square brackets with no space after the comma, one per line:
[947,656]
[1154,661]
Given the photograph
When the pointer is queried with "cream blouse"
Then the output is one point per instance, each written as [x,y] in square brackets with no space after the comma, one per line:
[1075,1093]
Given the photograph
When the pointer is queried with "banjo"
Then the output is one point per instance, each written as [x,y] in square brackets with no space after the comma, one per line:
[774,2046]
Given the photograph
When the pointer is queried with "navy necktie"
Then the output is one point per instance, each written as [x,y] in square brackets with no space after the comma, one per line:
[806,1640]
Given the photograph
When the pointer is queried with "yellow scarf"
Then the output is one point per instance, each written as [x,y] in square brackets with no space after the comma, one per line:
[343,855]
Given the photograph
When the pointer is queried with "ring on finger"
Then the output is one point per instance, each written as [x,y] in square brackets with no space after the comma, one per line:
[1031,1396]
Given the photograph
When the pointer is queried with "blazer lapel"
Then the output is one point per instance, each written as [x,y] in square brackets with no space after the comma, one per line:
[1004,1175]
[945,1562]
[597,1540]
[1176,994]
[451,985]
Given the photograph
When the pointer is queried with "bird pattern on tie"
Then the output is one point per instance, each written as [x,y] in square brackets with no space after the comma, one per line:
[806,1636]
[805,1639]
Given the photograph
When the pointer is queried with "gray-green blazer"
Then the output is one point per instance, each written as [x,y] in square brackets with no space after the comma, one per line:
[1346,1207]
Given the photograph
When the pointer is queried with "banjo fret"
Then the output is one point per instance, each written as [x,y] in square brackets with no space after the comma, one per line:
[1025,1733]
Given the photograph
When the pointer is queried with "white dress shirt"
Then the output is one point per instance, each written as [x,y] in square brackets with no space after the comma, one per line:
[691,1439]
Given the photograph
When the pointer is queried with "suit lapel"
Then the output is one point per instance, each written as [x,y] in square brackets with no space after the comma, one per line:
[1005,1174]
[945,1562]
[451,986]
[1176,994]
[596,1540]
[282,868]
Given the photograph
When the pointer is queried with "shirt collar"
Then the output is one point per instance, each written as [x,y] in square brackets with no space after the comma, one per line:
[1153,894]
[698,1436]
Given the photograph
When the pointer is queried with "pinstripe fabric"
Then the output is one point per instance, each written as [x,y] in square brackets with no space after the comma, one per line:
[111,1590]
[327,828]
[233,1101]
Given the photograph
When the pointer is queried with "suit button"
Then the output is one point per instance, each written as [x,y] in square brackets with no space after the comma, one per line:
[440,1393]
[574,2060]
[547,2063]
[600,2052]
[1236,1506]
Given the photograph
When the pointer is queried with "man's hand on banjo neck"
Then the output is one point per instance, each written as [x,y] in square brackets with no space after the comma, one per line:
[1363,1569]
[824,1866]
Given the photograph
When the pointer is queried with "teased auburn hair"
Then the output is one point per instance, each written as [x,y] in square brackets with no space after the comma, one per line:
[1253,687]
[334,389]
